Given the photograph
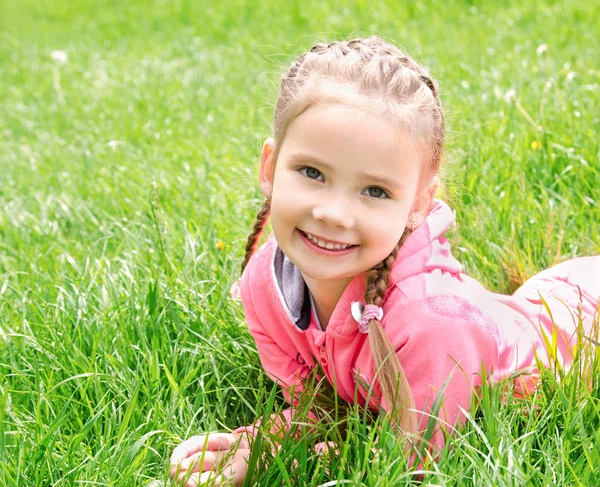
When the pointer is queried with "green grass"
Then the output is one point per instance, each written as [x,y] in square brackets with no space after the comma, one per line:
[117,336]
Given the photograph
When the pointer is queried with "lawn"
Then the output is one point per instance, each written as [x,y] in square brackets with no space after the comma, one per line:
[128,184]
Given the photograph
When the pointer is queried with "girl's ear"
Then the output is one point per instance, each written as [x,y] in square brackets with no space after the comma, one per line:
[424,201]
[267,167]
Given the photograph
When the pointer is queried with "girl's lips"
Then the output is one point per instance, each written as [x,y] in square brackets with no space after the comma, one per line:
[320,250]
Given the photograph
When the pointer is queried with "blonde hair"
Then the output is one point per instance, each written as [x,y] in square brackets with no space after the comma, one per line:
[379,78]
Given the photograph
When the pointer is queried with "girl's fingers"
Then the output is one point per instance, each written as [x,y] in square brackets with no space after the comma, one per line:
[199,461]
[209,442]
[204,477]
[234,472]
[329,447]
[201,478]
[195,478]
[198,479]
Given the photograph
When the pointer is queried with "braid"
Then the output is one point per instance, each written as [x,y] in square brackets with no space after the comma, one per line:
[367,49]
[259,225]
[378,277]
[370,47]
[395,390]
[293,70]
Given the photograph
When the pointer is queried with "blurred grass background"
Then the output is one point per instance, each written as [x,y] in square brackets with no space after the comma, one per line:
[128,186]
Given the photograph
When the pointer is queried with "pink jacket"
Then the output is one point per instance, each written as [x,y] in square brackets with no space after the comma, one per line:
[440,321]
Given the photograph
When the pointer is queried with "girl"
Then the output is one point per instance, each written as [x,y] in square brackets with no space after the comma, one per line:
[357,275]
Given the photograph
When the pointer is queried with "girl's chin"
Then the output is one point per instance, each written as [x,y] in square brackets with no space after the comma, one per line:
[317,273]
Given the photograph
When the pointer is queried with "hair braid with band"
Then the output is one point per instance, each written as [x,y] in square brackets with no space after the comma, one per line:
[395,389]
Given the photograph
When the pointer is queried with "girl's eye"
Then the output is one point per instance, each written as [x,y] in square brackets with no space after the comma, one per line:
[372,191]
[376,192]
[310,172]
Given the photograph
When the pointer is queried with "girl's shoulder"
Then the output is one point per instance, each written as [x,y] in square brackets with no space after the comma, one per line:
[440,310]
[439,294]
[255,281]
[262,259]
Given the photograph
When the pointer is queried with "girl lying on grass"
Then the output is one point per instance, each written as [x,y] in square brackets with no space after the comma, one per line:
[357,276]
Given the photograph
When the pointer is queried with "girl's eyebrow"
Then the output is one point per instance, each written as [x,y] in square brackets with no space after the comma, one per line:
[300,158]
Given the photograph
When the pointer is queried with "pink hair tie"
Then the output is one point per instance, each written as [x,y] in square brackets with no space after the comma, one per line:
[363,314]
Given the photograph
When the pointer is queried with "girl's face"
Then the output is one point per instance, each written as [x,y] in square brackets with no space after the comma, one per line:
[345,178]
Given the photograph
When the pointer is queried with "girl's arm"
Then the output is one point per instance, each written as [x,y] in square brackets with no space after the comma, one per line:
[195,460]
[279,366]
[278,359]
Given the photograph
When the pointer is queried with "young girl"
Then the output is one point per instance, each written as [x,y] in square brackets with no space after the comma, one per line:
[357,275]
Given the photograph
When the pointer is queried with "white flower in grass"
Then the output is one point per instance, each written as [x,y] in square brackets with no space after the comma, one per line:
[59,57]
[113,144]
[542,49]
[510,96]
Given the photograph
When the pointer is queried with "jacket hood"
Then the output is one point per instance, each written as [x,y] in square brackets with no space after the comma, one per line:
[426,249]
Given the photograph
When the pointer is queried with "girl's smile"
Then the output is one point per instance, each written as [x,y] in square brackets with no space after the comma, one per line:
[325,247]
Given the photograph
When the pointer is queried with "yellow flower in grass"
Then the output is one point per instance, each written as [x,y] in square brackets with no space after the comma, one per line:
[535,145]
[220,245]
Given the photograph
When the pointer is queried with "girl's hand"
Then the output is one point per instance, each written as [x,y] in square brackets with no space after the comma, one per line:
[205,455]
[329,448]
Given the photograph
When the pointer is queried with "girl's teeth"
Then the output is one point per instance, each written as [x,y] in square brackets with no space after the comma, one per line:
[326,245]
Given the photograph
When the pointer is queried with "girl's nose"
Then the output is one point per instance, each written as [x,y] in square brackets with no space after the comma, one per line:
[334,212]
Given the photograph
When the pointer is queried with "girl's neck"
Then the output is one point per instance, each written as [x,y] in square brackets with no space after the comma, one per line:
[326,295]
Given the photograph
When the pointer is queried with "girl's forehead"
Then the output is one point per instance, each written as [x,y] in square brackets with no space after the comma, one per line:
[342,128]
[338,136]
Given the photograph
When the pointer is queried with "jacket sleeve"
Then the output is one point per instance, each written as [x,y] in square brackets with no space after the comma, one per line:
[279,365]
[438,338]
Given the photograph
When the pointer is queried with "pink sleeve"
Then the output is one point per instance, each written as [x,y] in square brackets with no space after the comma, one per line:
[437,337]
[278,364]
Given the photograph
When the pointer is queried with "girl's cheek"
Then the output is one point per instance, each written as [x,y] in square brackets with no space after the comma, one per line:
[296,200]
